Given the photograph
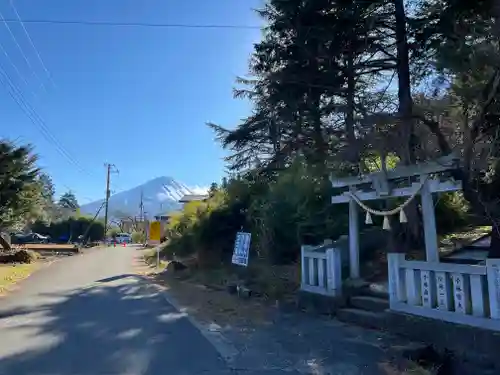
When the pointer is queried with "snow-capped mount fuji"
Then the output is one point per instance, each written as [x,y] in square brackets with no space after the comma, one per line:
[159,195]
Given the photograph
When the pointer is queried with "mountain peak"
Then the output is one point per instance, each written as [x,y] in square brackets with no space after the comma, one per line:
[161,179]
[159,195]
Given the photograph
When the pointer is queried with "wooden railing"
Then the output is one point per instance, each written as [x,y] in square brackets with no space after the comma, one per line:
[321,270]
[458,293]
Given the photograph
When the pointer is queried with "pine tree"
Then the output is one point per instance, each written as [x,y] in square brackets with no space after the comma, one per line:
[68,201]
[18,185]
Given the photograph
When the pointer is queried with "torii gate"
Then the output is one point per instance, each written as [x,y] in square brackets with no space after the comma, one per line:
[381,189]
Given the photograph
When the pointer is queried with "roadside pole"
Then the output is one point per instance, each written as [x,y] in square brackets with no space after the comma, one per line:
[157,258]
[155,237]
[108,193]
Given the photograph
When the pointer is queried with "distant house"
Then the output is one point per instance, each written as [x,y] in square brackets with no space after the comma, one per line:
[193,197]
[162,217]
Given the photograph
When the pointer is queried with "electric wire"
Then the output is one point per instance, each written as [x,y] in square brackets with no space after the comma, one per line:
[130,24]
[22,51]
[32,43]
[16,94]
[11,62]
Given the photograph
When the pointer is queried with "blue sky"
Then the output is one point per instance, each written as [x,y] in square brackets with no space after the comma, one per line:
[135,97]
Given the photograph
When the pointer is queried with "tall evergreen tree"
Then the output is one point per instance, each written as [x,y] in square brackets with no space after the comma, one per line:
[18,185]
[322,85]
[68,201]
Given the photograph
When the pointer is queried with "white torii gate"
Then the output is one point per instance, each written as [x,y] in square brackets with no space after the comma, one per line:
[381,190]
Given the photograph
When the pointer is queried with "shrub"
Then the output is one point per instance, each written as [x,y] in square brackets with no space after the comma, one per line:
[112,232]
[138,237]
[294,210]
[20,256]
[72,227]
[283,211]
[452,211]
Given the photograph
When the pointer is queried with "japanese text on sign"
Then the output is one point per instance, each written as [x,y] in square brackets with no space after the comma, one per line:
[241,249]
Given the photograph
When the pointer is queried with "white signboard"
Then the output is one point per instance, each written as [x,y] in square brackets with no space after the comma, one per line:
[241,249]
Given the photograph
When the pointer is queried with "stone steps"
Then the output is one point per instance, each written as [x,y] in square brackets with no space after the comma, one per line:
[369,303]
[366,307]
[363,318]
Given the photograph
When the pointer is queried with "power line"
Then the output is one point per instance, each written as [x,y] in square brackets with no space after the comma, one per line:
[16,94]
[31,41]
[129,24]
[11,62]
[22,51]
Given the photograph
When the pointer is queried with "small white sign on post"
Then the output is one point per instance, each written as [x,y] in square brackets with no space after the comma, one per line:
[241,249]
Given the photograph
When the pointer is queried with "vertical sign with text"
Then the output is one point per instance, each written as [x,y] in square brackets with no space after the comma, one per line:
[241,249]
[155,231]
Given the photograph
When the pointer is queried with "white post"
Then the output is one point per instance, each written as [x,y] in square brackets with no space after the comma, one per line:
[428,288]
[303,274]
[312,271]
[353,240]
[477,295]
[334,269]
[321,272]
[158,258]
[461,293]
[444,292]
[413,287]
[397,286]
[493,274]
[429,217]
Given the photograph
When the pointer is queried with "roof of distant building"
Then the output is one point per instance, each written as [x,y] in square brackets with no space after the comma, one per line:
[193,197]
[162,216]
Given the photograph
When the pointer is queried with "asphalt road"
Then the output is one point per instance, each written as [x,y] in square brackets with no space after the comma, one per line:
[89,315]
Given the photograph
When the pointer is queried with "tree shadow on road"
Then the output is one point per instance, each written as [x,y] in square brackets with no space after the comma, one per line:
[117,326]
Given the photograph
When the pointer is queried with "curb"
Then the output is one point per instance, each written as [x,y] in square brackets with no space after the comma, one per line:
[212,331]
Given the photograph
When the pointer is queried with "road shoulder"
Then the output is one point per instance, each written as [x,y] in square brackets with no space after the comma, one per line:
[255,336]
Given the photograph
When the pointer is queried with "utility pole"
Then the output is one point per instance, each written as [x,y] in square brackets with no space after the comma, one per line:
[108,178]
[141,206]
[143,222]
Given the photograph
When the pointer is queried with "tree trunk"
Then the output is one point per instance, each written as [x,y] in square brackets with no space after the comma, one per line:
[403,69]
[407,153]
[320,152]
[6,246]
[353,151]
[404,85]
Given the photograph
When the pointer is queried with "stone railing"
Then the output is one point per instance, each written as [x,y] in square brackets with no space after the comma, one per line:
[321,270]
[458,293]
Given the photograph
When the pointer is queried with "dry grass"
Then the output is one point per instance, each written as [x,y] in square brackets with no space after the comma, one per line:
[150,258]
[209,305]
[10,274]
[269,283]
[203,293]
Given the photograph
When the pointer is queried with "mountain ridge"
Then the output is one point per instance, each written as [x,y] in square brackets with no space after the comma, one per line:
[160,195]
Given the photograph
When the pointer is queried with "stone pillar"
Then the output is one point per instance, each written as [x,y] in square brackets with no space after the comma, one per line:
[429,217]
[353,240]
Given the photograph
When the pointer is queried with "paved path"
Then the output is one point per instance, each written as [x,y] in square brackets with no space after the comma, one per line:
[89,315]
